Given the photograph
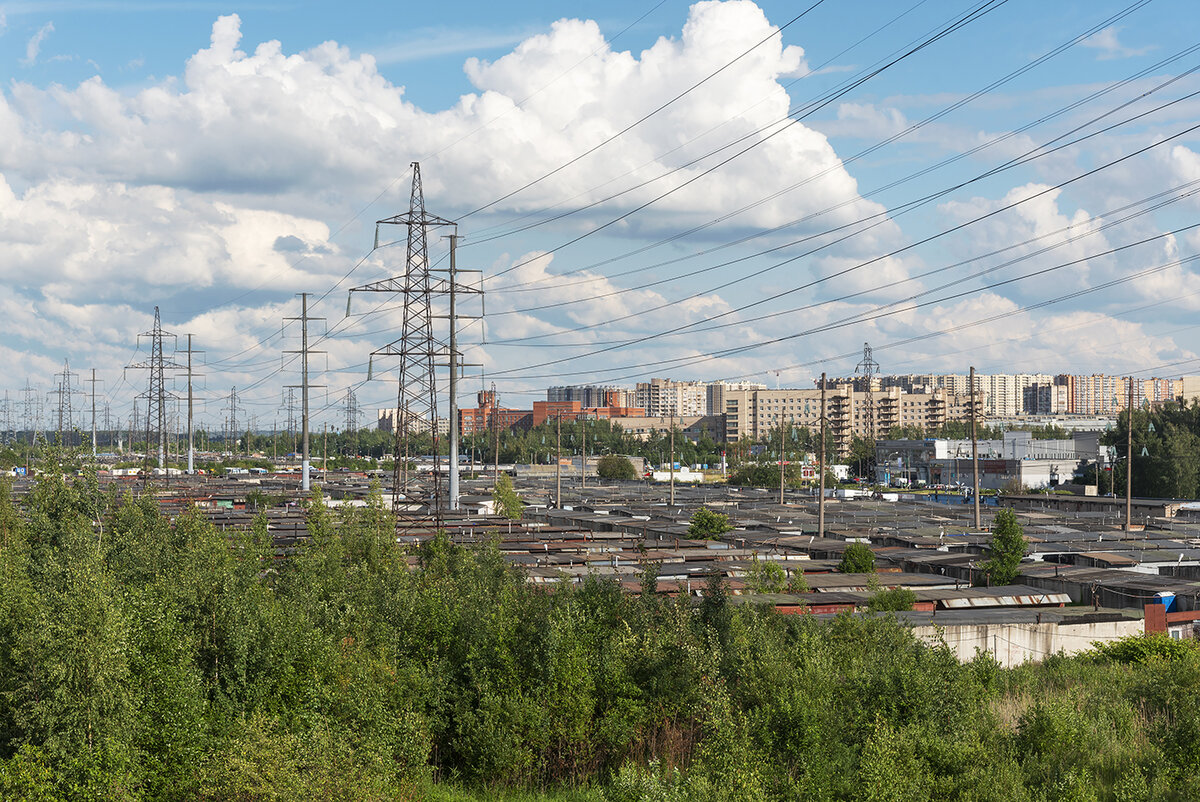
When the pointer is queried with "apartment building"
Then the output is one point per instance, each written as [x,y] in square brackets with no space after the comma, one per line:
[665,397]
[716,391]
[755,413]
[592,395]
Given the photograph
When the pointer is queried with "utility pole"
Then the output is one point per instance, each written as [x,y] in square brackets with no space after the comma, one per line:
[975,455]
[1129,464]
[558,461]
[583,453]
[305,482]
[325,449]
[455,363]
[782,426]
[821,468]
[452,407]
[191,461]
[495,423]
[672,457]
[91,381]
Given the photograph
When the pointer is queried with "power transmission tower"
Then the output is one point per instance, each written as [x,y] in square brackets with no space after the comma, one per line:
[156,394]
[31,415]
[304,351]
[869,369]
[291,417]
[8,420]
[419,352]
[352,416]
[66,415]
[231,421]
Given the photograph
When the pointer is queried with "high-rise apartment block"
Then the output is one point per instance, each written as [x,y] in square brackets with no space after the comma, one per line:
[756,413]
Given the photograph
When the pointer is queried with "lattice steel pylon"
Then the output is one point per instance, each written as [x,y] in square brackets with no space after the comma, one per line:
[869,369]
[66,412]
[156,394]
[418,350]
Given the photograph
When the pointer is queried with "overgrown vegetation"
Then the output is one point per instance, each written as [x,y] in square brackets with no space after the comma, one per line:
[145,658]
[614,466]
[706,524]
[857,559]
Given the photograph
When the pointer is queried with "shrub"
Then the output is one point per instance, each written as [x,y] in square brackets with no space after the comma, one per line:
[892,600]
[708,525]
[857,559]
[614,466]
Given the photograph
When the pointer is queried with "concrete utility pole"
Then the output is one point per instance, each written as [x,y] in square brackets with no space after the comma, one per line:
[453,409]
[1129,464]
[305,482]
[583,454]
[781,442]
[191,462]
[821,467]
[496,432]
[975,455]
[92,381]
[672,457]
[558,462]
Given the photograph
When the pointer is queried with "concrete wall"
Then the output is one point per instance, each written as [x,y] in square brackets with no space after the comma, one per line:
[1014,644]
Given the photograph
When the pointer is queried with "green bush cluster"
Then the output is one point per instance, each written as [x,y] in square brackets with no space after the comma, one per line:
[147,658]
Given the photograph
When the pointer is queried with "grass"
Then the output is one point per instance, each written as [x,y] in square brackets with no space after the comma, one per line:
[449,793]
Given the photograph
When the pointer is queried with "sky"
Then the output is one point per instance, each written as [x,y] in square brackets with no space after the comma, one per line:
[716,190]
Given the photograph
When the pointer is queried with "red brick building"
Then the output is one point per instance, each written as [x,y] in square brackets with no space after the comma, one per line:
[481,419]
[574,410]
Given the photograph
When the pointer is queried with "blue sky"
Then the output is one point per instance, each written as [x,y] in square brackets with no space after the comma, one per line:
[215,159]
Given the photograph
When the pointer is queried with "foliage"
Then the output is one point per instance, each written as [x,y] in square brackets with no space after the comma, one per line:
[891,600]
[1170,466]
[1146,648]
[1006,550]
[146,657]
[759,475]
[614,466]
[508,503]
[765,576]
[857,559]
[706,524]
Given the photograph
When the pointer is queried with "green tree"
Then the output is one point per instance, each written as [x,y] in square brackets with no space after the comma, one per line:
[857,559]
[892,600]
[765,576]
[1006,549]
[507,502]
[614,466]
[708,525]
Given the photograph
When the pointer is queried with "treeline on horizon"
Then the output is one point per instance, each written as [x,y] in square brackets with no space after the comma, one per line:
[144,658]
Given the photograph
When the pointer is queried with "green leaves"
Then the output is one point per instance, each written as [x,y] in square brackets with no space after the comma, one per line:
[1007,549]
[708,525]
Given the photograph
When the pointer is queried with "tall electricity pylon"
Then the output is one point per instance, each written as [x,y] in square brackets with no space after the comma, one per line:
[869,369]
[66,412]
[156,394]
[416,391]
